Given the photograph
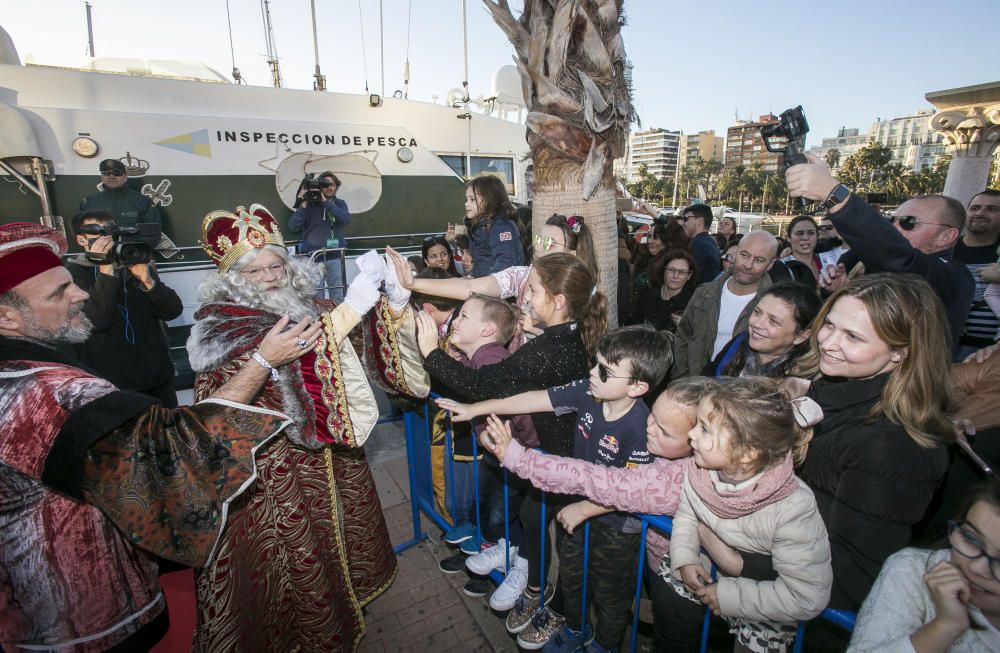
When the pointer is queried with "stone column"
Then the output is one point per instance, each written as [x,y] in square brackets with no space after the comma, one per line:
[970,137]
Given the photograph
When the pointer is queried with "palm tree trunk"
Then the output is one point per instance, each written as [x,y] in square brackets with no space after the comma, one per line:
[576,82]
[595,212]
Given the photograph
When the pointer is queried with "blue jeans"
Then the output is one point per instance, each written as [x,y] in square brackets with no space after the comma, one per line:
[492,518]
[464,497]
[334,279]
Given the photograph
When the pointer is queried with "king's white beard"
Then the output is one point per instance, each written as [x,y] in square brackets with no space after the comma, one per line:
[286,301]
[294,299]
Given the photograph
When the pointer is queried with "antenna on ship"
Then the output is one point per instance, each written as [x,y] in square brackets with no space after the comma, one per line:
[319,79]
[237,75]
[364,56]
[406,66]
[90,30]
[272,48]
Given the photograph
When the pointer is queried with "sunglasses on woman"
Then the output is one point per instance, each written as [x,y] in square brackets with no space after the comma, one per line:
[909,222]
[545,243]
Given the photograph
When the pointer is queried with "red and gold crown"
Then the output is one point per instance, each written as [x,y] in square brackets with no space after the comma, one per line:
[226,236]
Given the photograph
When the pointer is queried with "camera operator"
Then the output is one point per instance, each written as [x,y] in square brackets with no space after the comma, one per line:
[128,306]
[320,216]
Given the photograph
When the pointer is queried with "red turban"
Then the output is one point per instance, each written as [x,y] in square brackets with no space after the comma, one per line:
[27,250]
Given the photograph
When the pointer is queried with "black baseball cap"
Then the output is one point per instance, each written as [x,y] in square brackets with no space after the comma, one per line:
[112,165]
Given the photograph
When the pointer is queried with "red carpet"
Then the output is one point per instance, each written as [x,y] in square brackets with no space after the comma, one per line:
[178,588]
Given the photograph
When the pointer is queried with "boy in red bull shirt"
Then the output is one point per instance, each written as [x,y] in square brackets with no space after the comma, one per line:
[611,431]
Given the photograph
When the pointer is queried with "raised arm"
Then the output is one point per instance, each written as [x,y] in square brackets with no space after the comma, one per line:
[450,288]
[653,488]
[534,401]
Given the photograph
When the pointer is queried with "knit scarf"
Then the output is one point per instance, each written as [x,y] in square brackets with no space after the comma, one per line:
[753,366]
[773,485]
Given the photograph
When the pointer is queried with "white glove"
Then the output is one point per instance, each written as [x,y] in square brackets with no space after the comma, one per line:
[362,294]
[370,265]
[399,296]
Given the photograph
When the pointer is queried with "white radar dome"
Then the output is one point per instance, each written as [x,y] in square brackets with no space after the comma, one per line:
[507,86]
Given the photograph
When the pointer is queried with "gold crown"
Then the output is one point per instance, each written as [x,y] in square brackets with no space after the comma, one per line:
[227,236]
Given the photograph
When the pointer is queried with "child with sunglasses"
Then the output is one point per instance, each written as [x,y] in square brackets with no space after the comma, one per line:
[611,431]
[944,600]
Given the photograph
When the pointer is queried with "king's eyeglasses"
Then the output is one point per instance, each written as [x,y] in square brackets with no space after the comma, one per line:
[909,222]
[967,543]
[277,269]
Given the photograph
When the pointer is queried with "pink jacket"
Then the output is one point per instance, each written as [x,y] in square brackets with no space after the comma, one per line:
[654,488]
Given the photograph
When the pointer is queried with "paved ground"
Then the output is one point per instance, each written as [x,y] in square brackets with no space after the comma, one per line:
[424,610]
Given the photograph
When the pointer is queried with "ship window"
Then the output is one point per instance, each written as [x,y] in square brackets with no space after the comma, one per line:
[496,166]
[456,163]
[501,167]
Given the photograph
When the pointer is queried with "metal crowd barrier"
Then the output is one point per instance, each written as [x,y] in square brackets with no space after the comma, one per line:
[417,428]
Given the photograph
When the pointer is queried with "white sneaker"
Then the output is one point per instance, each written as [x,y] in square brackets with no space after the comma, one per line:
[492,558]
[513,585]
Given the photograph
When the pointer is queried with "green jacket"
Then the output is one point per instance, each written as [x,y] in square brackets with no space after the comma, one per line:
[695,337]
[127,206]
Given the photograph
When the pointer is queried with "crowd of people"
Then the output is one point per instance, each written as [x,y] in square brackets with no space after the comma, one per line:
[820,440]
[803,410]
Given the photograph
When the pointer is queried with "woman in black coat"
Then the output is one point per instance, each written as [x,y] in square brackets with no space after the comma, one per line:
[880,348]
[672,280]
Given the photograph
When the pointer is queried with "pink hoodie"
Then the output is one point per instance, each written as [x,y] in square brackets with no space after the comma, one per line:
[654,488]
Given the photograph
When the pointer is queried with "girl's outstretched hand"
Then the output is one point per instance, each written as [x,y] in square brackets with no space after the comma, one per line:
[726,557]
[497,436]
[695,577]
[403,271]
[459,412]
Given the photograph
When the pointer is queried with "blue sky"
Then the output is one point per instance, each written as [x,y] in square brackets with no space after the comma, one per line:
[696,64]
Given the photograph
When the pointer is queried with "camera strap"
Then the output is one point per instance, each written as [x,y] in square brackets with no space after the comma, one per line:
[332,242]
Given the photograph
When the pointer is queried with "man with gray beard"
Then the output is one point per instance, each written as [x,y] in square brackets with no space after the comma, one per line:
[96,482]
[309,546]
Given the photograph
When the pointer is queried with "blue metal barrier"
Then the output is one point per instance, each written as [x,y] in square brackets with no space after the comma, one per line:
[419,461]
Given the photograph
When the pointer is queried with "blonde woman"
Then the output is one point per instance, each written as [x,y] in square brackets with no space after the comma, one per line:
[879,361]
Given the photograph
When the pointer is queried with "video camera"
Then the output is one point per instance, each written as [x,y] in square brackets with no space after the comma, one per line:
[313,188]
[132,245]
[788,136]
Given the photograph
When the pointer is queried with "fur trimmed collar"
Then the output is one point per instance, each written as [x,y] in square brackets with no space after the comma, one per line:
[223,332]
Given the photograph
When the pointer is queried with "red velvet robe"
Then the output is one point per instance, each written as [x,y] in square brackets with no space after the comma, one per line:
[309,547]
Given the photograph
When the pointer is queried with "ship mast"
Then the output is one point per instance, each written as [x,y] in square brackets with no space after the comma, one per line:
[319,79]
[272,49]
[90,31]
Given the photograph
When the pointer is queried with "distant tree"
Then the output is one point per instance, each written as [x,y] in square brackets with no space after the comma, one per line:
[833,157]
[897,181]
[930,180]
[866,169]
